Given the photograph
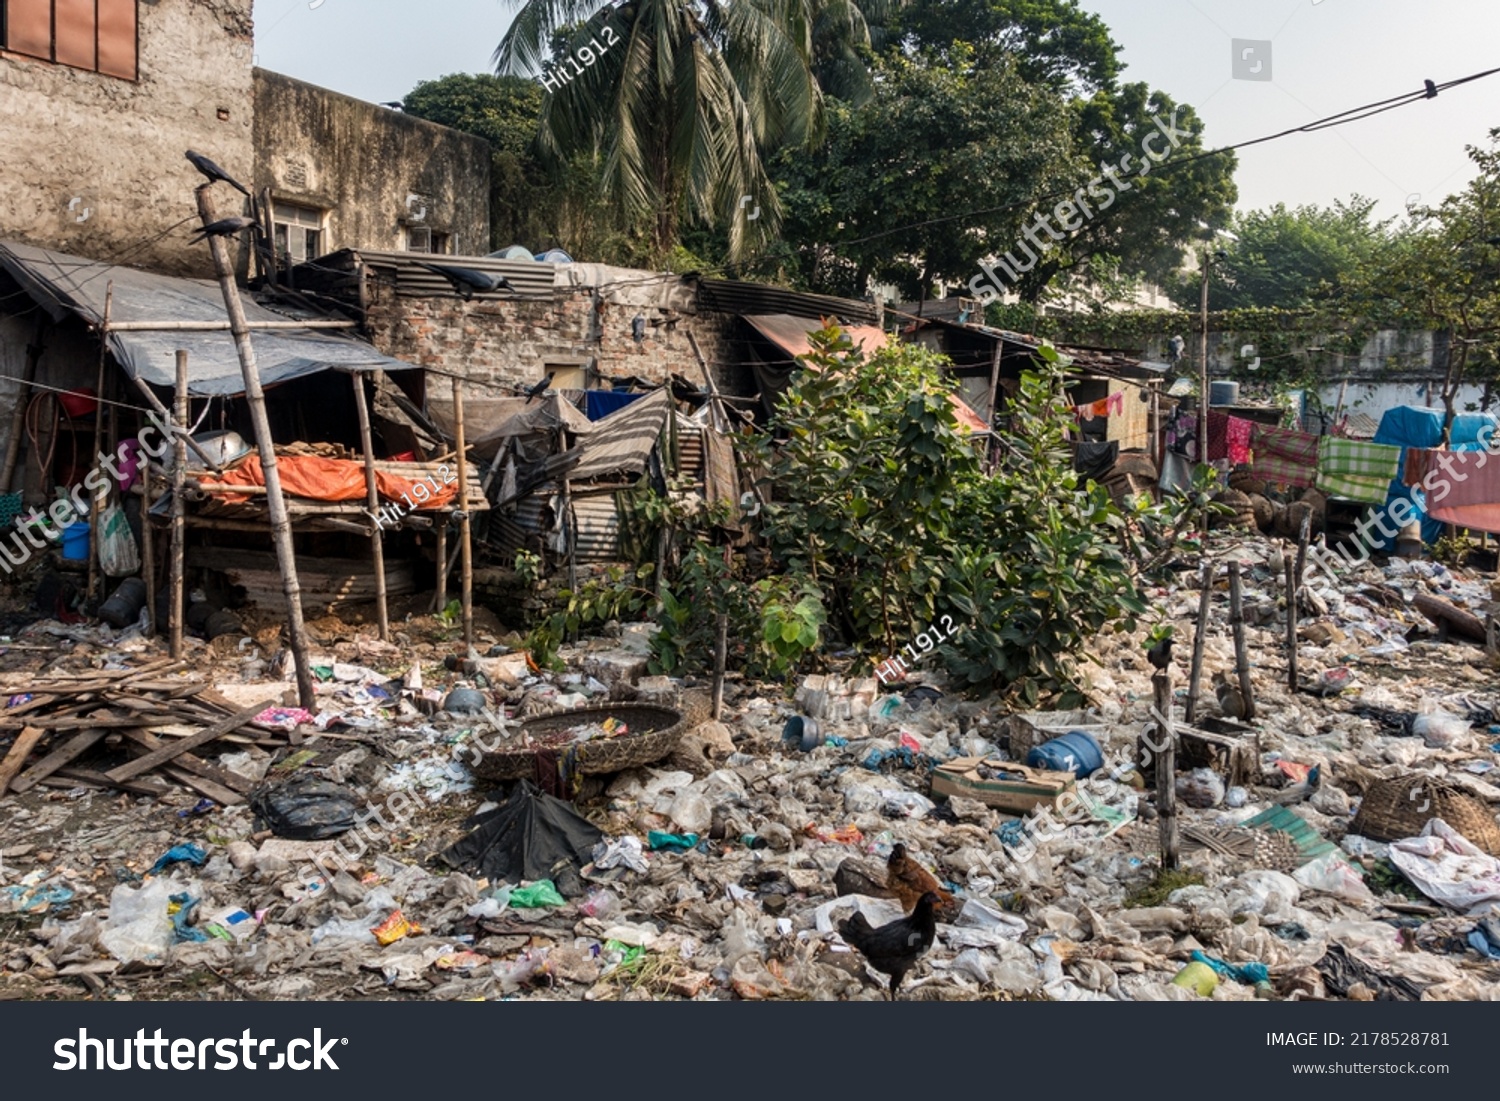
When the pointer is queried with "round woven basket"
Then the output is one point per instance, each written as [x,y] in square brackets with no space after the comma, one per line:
[1394,809]
[654,732]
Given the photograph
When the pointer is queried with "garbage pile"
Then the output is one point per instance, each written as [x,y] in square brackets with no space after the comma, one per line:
[857,841]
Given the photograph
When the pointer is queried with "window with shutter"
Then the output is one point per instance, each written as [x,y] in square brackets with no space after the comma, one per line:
[98,35]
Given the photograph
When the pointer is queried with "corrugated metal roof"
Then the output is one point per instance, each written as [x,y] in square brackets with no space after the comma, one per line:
[530,279]
[63,285]
[729,296]
[790,333]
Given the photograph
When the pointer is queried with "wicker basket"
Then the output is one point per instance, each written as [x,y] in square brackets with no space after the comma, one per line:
[655,731]
[1394,809]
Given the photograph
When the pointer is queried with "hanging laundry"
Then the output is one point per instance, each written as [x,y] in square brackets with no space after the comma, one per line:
[1182,435]
[1284,457]
[1461,487]
[1355,469]
[1238,436]
[1115,404]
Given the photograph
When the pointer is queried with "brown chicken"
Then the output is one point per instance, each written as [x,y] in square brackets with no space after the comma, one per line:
[910,881]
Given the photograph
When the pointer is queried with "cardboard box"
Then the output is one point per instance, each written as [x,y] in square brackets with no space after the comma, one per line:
[1003,785]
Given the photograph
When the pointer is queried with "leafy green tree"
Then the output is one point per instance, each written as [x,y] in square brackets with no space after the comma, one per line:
[881,506]
[679,105]
[1442,272]
[940,136]
[1055,42]
[1299,258]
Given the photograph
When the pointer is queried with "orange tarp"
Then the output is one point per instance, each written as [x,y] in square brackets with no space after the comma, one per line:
[333,480]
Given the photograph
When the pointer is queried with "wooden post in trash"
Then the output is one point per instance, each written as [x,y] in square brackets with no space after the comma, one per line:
[440,596]
[990,449]
[255,398]
[175,611]
[109,294]
[1291,623]
[372,498]
[466,547]
[1166,768]
[721,658]
[1302,539]
[1200,636]
[1241,655]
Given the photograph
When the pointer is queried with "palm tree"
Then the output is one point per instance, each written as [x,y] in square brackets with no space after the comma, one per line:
[680,102]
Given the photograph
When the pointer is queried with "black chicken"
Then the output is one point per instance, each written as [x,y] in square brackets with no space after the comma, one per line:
[894,948]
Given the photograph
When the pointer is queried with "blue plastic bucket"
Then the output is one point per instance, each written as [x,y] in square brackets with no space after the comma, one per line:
[75,542]
[1076,752]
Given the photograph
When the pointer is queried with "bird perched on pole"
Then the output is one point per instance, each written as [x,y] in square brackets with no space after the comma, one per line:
[225,227]
[466,280]
[215,173]
[1159,652]
[538,390]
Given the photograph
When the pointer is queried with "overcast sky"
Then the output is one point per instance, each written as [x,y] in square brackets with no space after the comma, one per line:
[1325,56]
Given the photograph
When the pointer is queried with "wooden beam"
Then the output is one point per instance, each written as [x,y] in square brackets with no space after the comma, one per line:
[25,742]
[372,496]
[176,614]
[465,539]
[177,749]
[191,762]
[64,755]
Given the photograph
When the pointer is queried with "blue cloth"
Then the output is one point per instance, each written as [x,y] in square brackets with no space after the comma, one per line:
[180,854]
[1247,973]
[1409,426]
[601,403]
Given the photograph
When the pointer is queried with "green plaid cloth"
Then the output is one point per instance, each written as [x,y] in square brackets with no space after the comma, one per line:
[1355,469]
[1283,457]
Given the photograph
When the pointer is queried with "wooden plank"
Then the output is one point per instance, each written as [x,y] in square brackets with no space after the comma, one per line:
[142,786]
[191,762]
[176,749]
[65,754]
[22,748]
[203,786]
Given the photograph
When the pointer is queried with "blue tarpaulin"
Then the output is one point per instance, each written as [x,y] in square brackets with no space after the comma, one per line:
[1409,426]
[601,403]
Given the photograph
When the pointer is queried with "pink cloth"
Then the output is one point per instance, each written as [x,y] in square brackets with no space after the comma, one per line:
[1238,436]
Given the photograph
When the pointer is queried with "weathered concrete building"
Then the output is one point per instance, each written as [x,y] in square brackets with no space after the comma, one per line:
[99,101]
[348,174]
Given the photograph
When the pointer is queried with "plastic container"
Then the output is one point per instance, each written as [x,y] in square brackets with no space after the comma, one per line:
[1198,977]
[79,403]
[803,733]
[1076,752]
[75,543]
[1223,393]
[124,606]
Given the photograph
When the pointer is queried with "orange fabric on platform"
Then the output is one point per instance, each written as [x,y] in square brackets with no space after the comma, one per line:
[332,480]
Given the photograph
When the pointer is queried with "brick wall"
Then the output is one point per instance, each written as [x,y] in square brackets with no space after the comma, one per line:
[507,343]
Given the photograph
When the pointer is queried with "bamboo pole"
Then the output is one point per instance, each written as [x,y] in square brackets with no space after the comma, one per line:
[440,598]
[109,294]
[1166,769]
[1241,655]
[222,326]
[255,398]
[1303,537]
[176,610]
[1195,675]
[372,495]
[989,456]
[721,657]
[148,540]
[466,546]
[18,414]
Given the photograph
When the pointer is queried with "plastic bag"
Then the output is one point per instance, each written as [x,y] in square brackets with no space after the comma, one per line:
[305,808]
[1440,729]
[139,926]
[118,556]
[536,896]
[1334,875]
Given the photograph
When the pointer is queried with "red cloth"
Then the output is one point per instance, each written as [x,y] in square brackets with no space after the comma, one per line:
[1461,487]
[321,479]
